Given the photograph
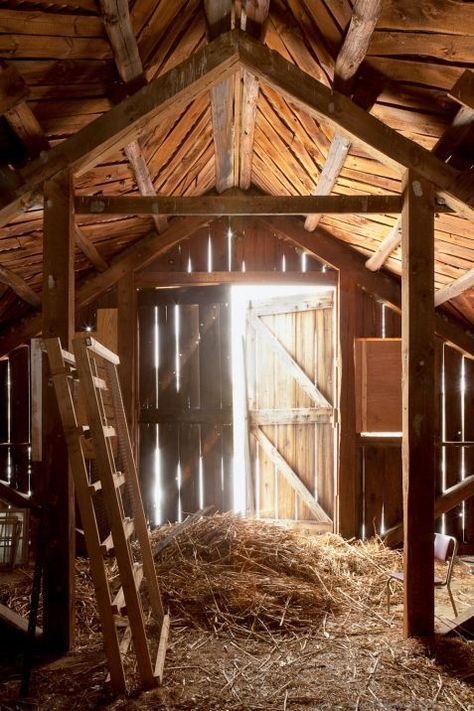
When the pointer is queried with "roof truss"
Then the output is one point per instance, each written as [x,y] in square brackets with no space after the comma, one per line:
[203,70]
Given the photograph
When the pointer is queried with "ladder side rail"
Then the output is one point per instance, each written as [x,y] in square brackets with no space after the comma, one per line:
[106,468]
[62,385]
[131,478]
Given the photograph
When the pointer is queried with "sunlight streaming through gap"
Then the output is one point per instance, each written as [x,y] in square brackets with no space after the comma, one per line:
[209,252]
[177,358]
[463,435]
[443,436]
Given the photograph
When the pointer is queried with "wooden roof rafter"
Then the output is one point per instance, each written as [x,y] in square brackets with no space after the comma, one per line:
[197,75]
[381,141]
[129,65]
[449,141]
[234,100]
[349,59]
[115,129]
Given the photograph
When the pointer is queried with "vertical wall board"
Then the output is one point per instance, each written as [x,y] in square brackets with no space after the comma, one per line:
[285,394]
[126,334]
[368,316]
[453,432]
[439,451]
[147,397]
[374,489]
[4,412]
[469,451]
[226,402]
[168,434]
[147,443]
[252,483]
[168,438]
[324,334]
[211,380]
[304,435]
[36,385]
[199,250]
[20,395]
[220,258]
[20,417]
[392,486]
[147,392]
[189,398]
[348,484]
[189,454]
[292,258]
[265,368]
[393,323]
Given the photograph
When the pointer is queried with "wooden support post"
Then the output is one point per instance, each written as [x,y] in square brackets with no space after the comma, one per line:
[58,320]
[347,483]
[127,349]
[418,404]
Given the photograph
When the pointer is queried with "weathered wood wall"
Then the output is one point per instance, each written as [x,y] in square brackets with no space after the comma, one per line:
[185,401]
[379,458]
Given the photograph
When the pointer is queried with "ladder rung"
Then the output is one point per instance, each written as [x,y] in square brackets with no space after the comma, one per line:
[118,477]
[118,604]
[99,383]
[107,544]
[95,486]
[68,357]
[102,351]
[109,431]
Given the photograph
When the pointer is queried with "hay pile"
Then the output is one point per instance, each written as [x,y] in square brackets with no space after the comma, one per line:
[262,618]
[227,571]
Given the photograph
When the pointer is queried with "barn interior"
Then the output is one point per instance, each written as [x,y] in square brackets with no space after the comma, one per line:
[237,282]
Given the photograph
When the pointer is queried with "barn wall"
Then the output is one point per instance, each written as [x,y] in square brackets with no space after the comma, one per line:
[379,459]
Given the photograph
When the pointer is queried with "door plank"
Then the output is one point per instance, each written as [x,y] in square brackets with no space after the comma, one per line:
[280,351]
[283,466]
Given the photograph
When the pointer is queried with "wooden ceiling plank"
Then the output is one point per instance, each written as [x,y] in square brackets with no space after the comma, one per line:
[457,287]
[13,88]
[449,141]
[110,132]
[28,129]
[324,247]
[20,287]
[463,90]
[349,59]
[120,32]
[383,142]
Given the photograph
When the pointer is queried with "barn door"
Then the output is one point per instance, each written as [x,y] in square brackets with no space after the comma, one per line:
[290,385]
[185,394]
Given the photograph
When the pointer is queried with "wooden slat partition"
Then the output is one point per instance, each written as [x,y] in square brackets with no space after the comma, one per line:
[453,432]
[190,397]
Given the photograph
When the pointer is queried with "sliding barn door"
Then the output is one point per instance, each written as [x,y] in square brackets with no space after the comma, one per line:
[290,385]
[185,394]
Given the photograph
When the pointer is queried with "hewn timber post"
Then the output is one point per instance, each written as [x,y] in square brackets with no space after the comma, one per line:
[418,403]
[347,483]
[58,320]
[127,349]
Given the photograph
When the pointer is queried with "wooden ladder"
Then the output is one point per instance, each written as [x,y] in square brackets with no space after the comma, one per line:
[95,369]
